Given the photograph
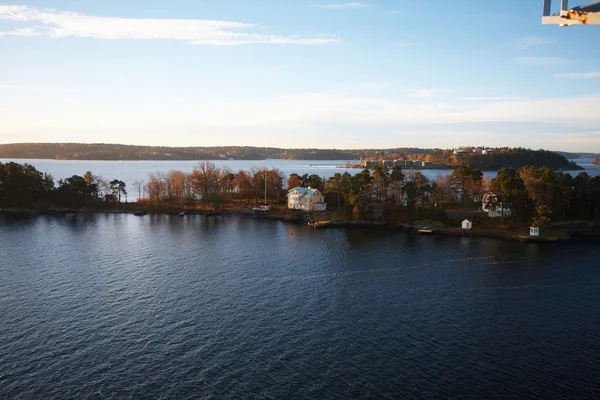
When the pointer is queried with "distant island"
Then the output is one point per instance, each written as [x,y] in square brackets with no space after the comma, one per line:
[483,158]
[597,161]
[491,159]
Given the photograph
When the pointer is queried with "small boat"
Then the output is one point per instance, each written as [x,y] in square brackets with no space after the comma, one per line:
[424,231]
[182,214]
[140,213]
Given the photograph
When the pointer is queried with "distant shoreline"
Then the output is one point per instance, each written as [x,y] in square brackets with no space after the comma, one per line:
[408,168]
[337,166]
[482,158]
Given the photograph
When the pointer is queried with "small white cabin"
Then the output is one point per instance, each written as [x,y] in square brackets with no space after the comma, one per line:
[534,231]
[467,224]
[306,199]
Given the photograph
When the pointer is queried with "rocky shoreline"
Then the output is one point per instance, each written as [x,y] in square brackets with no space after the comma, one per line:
[591,230]
[575,230]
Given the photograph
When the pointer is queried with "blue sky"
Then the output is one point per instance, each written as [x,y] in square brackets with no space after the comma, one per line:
[315,73]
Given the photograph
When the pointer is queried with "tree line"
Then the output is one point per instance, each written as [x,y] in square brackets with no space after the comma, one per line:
[209,185]
[536,194]
[23,186]
[543,194]
[396,193]
[504,157]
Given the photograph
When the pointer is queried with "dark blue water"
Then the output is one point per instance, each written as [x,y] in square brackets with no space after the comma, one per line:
[116,306]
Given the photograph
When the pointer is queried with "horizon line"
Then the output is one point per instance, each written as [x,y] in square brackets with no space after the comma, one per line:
[292,148]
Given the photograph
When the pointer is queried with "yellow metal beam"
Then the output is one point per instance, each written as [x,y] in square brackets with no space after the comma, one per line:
[572,17]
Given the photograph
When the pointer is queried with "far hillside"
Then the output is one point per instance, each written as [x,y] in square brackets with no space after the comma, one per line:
[486,159]
[104,151]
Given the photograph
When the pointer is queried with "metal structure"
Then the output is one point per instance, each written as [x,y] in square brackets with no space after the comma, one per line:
[587,14]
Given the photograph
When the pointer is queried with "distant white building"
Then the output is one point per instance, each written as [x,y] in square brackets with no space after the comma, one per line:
[306,199]
[466,224]
[534,231]
[491,203]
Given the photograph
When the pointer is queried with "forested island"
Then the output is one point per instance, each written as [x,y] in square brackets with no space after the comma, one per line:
[494,159]
[535,195]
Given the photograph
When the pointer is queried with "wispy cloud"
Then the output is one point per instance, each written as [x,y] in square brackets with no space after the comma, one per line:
[317,115]
[572,110]
[61,24]
[352,4]
[578,75]
[543,60]
[21,31]
[531,41]
[315,108]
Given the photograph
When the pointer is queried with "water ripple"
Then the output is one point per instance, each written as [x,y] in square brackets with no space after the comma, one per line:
[112,307]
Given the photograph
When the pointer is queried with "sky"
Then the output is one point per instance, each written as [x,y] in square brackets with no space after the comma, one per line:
[298,73]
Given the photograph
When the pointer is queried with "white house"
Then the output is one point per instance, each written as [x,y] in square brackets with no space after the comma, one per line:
[534,231]
[306,199]
[499,212]
[491,204]
[466,224]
